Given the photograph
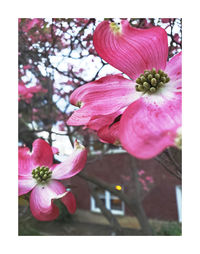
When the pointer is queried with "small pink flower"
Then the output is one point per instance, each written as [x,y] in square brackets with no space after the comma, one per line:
[35,110]
[26,93]
[144,185]
[149,179]
[38,174]
[27,67]
[177,38]
[37,88]
[141,172]
[30,23]
[167,20]
[143,113]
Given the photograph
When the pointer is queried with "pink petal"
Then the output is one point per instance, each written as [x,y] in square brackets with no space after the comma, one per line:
[174,69]
[24,161]
[146,129]
[42,154]
[70,202]
[79,117]
[132,50]
[109,133]
[22,90]
[73,164]
[102,97]
[41,200]
[30,24]
[25,184]
[36,89]
[55,150]
[99,121]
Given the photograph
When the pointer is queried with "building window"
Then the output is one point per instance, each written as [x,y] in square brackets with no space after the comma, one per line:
[179,202]
[111,202]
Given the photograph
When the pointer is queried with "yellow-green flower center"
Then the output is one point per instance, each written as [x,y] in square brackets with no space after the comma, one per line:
[151,81]
[42,174]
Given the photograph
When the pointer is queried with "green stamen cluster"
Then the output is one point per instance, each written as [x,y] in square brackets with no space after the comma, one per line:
[42,174]
[151,81]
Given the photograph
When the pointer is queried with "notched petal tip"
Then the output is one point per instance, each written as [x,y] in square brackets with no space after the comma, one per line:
[134,50]
[115,28]
[78,145]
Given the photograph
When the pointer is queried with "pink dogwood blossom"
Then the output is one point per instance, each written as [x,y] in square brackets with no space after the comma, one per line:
[142,112]
[38,174]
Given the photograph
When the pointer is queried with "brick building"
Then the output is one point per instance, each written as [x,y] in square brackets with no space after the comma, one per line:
[162,196]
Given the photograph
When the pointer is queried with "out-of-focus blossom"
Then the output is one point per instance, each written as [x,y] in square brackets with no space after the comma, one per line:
[30,23]
[26,93]
[141,172]
[177,38]
[167,20]
[26,67]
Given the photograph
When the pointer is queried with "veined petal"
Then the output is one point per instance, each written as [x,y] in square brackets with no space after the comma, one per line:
[107,83]
[79,117]
[103,97]
[146,129]
[131,50]
[41,200]
[70,202]
[42,154]
[174,69]
[25,184]
[24,161]
[109,133]
[73,164]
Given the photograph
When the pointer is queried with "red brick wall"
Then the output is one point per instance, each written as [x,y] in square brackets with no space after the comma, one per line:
[159,202]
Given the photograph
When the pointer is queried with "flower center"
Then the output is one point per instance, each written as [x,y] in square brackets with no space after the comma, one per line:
[42,174]
[151,81]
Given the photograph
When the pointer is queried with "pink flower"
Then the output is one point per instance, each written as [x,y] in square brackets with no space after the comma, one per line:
[141,172]
[167,20]
[27,67]
[150,179]
[177,38]
[26,93]
[143,112]
[144,184]
[38,174]
[30,23]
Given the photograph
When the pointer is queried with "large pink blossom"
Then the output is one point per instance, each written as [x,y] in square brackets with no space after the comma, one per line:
[38,174]
[142,117]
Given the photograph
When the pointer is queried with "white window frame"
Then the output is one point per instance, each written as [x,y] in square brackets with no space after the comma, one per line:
[179,202]
[107,196]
